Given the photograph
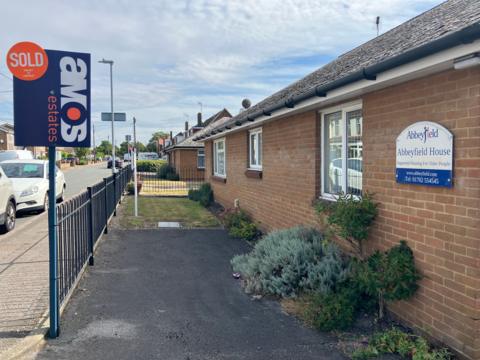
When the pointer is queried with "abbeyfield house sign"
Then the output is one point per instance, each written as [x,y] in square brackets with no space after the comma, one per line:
[425,155]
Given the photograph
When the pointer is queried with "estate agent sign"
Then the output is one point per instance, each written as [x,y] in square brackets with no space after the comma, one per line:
[425,155]
[51,91]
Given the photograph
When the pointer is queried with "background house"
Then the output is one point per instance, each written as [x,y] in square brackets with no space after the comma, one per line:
[188,156]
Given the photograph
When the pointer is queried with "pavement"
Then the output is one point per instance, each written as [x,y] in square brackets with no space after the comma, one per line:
[24,269]
[169,294]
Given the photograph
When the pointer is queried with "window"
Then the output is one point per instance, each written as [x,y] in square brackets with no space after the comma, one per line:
[255,149]
[219,160]
[201,159]
[342,151]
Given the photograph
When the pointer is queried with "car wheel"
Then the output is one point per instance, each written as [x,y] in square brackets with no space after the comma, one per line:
[61,198]
[45,202]
[10,217]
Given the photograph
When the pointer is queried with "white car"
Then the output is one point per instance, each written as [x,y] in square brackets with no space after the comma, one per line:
[355,166]
[30,183]
[15,155]
[7,203]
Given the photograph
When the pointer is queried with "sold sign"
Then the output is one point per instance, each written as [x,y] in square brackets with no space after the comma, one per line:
[27,61]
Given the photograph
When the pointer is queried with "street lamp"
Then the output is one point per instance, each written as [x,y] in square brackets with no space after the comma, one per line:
[110,62]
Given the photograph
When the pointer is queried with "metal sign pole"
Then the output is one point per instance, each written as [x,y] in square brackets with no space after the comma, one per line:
[113,131]
[52,243]
[135,181]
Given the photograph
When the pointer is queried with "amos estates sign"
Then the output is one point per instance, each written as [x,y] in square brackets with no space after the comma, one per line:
[51,95]
[425,155]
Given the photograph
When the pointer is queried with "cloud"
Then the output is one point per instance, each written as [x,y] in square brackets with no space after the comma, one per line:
[169,55]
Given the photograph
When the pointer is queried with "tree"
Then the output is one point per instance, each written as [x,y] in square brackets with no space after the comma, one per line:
[158,135]
[123,148]
[105,147]
[141,147]
[81,152]
[152,147]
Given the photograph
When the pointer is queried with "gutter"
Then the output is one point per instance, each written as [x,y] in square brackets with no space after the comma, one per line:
[464,36]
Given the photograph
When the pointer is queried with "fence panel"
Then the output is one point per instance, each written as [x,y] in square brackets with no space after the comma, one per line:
[177,183]
[81,222]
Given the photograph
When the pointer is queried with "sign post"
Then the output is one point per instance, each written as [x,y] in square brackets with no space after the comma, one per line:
[51,107]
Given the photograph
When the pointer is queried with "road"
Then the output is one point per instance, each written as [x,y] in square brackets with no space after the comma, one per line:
[77,179]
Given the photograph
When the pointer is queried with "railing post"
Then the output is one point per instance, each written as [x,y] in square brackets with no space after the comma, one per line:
[105,182]
[115,196]
[90,227]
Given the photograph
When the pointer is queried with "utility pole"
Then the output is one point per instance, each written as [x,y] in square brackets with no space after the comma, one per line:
[110,62]
[134,163]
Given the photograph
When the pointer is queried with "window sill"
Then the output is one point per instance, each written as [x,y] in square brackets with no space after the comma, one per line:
[253,174]
[201,168]
[219,179]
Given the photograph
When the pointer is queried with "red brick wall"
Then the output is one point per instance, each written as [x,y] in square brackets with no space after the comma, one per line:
[283,197]
[185,161]
[441,225]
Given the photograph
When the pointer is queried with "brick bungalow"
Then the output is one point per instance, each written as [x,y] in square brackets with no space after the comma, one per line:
[278,157]
[188,156]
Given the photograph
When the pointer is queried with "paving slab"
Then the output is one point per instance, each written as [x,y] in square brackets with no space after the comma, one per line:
[170,294]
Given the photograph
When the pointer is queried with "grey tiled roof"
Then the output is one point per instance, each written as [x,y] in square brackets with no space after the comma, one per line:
[220,118]
[444,19]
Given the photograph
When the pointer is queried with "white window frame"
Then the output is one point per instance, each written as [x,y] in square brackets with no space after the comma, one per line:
[251,166]
[344,108]
[202,151]
[215,151]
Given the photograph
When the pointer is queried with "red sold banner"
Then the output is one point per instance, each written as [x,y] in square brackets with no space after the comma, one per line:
[27,61]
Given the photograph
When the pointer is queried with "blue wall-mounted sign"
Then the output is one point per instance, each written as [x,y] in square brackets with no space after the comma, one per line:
[425,155]
[54,110]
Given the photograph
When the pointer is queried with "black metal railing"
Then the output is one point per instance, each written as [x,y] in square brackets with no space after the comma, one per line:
[81,222]
[176,183]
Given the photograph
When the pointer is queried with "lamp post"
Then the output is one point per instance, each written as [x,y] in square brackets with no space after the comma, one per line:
[110,62]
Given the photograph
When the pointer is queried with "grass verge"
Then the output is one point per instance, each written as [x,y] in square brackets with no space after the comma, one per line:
[151,210]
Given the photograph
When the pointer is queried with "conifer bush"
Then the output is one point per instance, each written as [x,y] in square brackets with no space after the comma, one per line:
[287,262]
[204,195]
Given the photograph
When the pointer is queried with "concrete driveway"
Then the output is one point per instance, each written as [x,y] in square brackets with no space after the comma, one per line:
[169,294]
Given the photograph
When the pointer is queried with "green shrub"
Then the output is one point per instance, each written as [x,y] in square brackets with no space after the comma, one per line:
[388,276]
[131,188]
[166,172]
[395,341]
[149,165]
[287,262]
[332,311]
[240,225]
[82,162]
[172,177]
[351,217]
[244,230]
[204,195]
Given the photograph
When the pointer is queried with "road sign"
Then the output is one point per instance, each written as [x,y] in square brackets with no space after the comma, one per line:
[116,117]
[128,138]
[52,109]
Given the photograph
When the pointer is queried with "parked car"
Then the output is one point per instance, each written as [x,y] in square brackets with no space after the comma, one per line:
[30,183]
[118,163]
[7,203]
[354,174]
[15,155]
[147,156]
[127,157]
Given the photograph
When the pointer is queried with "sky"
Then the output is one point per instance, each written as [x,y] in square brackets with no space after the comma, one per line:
[171,55]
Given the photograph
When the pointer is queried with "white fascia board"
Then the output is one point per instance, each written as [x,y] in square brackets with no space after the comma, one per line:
[428,65]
